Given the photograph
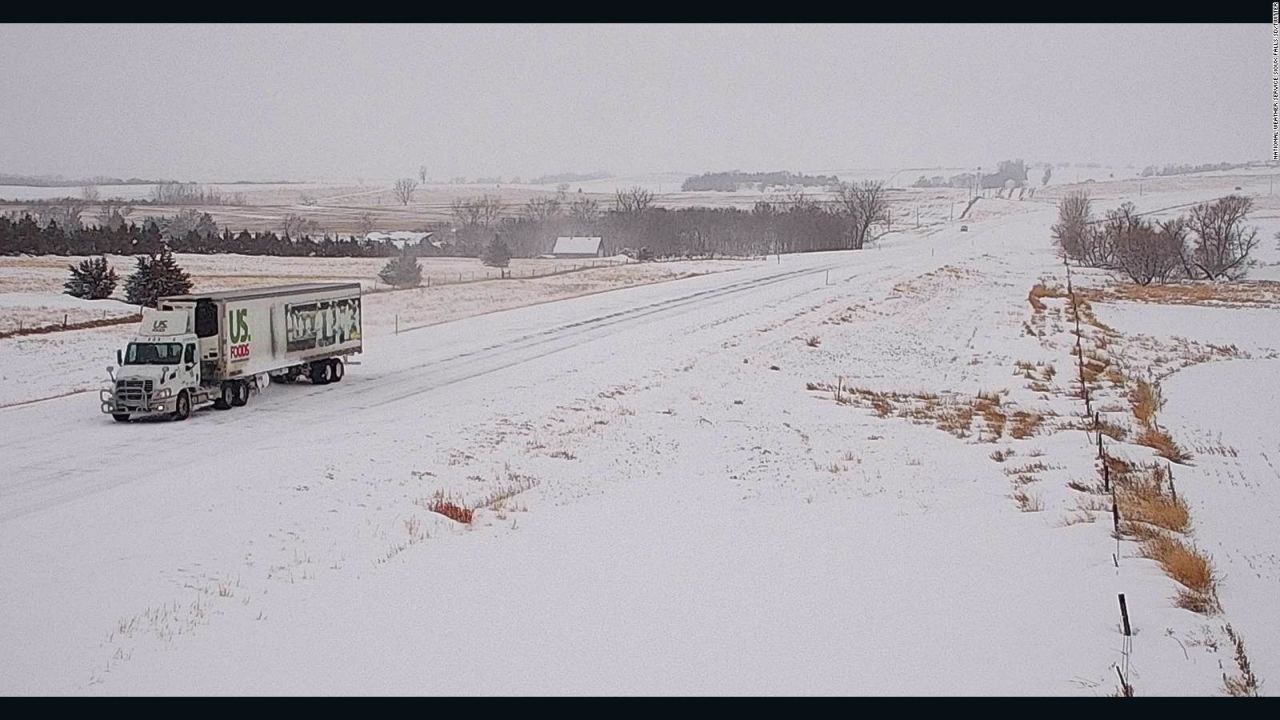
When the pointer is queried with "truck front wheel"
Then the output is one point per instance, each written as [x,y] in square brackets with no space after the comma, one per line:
[183,408]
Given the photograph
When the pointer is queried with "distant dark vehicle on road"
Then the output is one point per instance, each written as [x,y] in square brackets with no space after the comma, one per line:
[645,254]
[964,228]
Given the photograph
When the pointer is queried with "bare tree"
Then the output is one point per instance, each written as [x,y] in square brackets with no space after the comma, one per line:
[481,211]
[632,201]
[65,213]
[541,209]
[584,210]
[112,214]
[364,221]
[404,188]
[295,225]
[89,193]
[1074,221]
[1146,253]
[1221,244]
[422,174]
[798,201]
[867,205]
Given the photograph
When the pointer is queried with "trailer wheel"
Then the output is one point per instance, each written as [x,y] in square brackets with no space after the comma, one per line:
[227,398]
[183,410]
[120,417]
[338,371]
[321,372]
[241,397]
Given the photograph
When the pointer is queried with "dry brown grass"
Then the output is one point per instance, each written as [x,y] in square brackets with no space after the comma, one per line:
[1244,293]
[1112,430]
[1164,445]
[1002,455]
[1077,517]
[1145,400]
[1027,501]
[1025,424]
[949,412]
[1028,469]
[1040,291]
[1085,487]
[513,485]
[1189,566]
[1142,499]
[449,507]
[1245,684]
[1119,468]
[813,341]
[988,404]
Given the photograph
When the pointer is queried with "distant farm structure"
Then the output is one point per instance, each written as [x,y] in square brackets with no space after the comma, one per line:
[578,247]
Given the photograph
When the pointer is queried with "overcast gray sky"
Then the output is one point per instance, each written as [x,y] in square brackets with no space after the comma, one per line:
[334,102]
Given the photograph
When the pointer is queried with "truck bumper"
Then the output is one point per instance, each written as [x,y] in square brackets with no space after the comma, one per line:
[135,405]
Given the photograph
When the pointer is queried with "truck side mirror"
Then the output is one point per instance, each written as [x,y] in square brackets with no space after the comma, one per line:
[119,358]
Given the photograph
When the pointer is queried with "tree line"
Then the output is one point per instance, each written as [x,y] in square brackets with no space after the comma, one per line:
[734,179]
[24,236]
[1185,169]
[795,223]
[1211,242]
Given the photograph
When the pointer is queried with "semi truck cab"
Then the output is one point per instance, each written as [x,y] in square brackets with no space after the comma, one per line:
[159,370]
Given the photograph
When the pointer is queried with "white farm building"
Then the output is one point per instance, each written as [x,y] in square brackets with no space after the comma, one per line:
[578,247]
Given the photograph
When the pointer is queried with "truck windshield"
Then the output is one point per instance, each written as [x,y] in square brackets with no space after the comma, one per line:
[153,354]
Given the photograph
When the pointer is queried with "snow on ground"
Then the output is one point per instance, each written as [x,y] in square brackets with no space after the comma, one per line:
[31,286]
[63,362]
[26,309]
[1226,414]
[697,486]
[1229,415]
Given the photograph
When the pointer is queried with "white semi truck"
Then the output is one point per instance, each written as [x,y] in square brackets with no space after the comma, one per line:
[217,348]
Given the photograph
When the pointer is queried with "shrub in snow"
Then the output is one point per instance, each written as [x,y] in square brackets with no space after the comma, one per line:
[1222,244]
[156,276]
[94,279]
[402,272]
[496,253]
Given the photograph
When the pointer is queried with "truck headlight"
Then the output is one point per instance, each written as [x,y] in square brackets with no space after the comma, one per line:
[164,393]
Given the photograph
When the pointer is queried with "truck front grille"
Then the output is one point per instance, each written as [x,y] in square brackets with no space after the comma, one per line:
[134,393]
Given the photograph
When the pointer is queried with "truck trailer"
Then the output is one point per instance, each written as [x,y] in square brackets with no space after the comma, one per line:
[218,348]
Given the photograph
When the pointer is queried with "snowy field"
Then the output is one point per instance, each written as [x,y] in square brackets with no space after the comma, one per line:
[841,473]
[31,287]
[70,361]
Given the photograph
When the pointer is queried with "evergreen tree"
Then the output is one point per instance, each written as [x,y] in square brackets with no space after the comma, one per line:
[402,272]
[496,253]
[93,280]
[157,276]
